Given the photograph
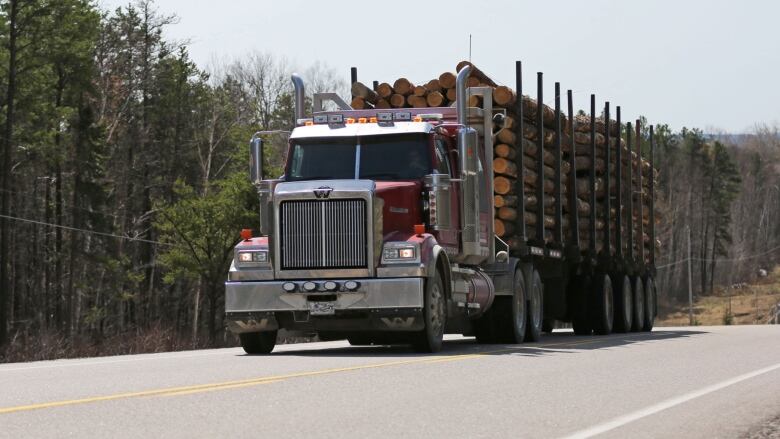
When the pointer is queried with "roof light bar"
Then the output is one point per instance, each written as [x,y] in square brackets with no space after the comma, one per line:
[384,117]
[320,118]
[403,116]
[335,118]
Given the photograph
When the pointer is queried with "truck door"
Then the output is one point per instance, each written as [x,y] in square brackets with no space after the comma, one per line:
[444,165]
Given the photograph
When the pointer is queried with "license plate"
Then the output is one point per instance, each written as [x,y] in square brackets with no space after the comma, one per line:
[322,308]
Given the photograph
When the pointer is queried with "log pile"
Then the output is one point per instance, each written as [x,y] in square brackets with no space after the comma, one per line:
[507,145]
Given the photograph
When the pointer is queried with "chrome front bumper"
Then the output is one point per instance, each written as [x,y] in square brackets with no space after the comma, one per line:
[371,294]
[377,304]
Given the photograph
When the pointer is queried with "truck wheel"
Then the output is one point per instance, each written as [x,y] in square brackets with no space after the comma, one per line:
[533,330]
[435,315]
[511,315]
[255,343]
[639,306]
[624,308]
[603,306]
[485,329]
[650,304]
[579,293]
[359,340]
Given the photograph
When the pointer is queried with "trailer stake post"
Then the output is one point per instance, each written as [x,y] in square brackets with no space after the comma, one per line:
[520,182]
[630,201]
[592,234]
[619,187]
[558,184]
[607,249]
[652,200]
[574,225]
[640,196]
[540,160]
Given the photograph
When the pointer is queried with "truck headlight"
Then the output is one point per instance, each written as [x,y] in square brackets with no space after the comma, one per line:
[253,257]
[400,252]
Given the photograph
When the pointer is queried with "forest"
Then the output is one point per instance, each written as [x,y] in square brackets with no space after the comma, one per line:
[123,182]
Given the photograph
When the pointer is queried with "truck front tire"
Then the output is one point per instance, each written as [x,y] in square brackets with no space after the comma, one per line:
[257,343]
[430,339]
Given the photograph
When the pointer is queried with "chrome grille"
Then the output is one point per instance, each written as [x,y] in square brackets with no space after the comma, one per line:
[323,234]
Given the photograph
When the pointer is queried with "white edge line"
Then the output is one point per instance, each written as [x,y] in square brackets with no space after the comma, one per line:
[653,409]
[70,362]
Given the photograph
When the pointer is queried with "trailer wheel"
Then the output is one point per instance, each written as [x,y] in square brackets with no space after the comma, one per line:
[639,305]
[429,340]
[624,307]
[255,343]
[603,306]
[533,330]
[579,293]
[650,304]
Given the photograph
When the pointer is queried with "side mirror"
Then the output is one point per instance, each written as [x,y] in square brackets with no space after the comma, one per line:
[256,160]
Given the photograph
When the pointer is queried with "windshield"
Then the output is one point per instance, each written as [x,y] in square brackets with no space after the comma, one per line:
[397,157]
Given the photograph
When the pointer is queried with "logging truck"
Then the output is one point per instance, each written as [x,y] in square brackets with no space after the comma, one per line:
[490,215]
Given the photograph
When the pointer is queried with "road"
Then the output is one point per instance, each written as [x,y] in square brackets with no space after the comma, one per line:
[673,382]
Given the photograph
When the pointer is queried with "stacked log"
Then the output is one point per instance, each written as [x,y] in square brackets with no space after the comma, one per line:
[575,153]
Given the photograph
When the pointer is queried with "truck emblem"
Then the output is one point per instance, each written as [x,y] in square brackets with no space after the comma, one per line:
[323,192]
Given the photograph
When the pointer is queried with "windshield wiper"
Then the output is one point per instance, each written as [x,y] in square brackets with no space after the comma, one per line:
[380,174]
[315,177]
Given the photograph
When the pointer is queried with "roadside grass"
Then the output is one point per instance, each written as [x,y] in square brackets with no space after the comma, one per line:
[741,304]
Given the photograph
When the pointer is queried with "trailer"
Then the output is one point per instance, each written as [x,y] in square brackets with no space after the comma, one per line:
[383,228]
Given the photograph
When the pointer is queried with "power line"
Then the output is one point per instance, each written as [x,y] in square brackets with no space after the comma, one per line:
[743,258]
[93,232]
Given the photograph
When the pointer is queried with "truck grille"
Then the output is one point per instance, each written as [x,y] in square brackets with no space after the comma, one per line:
[323,234]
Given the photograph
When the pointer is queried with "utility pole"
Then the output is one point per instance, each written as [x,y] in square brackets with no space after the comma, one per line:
[690,287]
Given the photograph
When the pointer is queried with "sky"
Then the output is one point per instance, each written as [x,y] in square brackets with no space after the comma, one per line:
[713,65]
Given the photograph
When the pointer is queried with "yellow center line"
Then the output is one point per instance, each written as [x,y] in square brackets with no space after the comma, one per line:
[199,388]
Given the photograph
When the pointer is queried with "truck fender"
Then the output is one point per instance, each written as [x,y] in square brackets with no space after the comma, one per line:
[433,255]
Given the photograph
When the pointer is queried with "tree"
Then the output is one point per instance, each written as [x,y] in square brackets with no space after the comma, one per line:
[201,231]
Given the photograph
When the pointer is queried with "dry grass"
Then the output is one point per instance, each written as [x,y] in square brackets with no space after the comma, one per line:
[750,304]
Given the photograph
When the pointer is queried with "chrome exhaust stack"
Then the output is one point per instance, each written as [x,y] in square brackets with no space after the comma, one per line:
[468,151]
[300,93]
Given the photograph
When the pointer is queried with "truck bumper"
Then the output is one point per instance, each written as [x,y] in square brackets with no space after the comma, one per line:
[386,304]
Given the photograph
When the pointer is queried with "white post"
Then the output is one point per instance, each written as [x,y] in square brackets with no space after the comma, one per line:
[690,287]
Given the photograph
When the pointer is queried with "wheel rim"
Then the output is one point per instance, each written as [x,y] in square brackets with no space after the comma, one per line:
[640,304]
[608,305]
[536,307]
[650,293]
[627,305]
[436,310]
[520,307]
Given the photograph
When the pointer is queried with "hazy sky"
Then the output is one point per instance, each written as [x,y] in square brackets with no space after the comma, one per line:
[708,64]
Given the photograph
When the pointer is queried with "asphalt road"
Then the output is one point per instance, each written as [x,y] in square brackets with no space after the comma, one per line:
[673,382]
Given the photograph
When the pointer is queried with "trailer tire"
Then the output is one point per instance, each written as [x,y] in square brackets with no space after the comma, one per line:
[578,294]
[430,338]
[624,307]
[258,343]
[639,305]
[650,304]
[602,305]
[533,329]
